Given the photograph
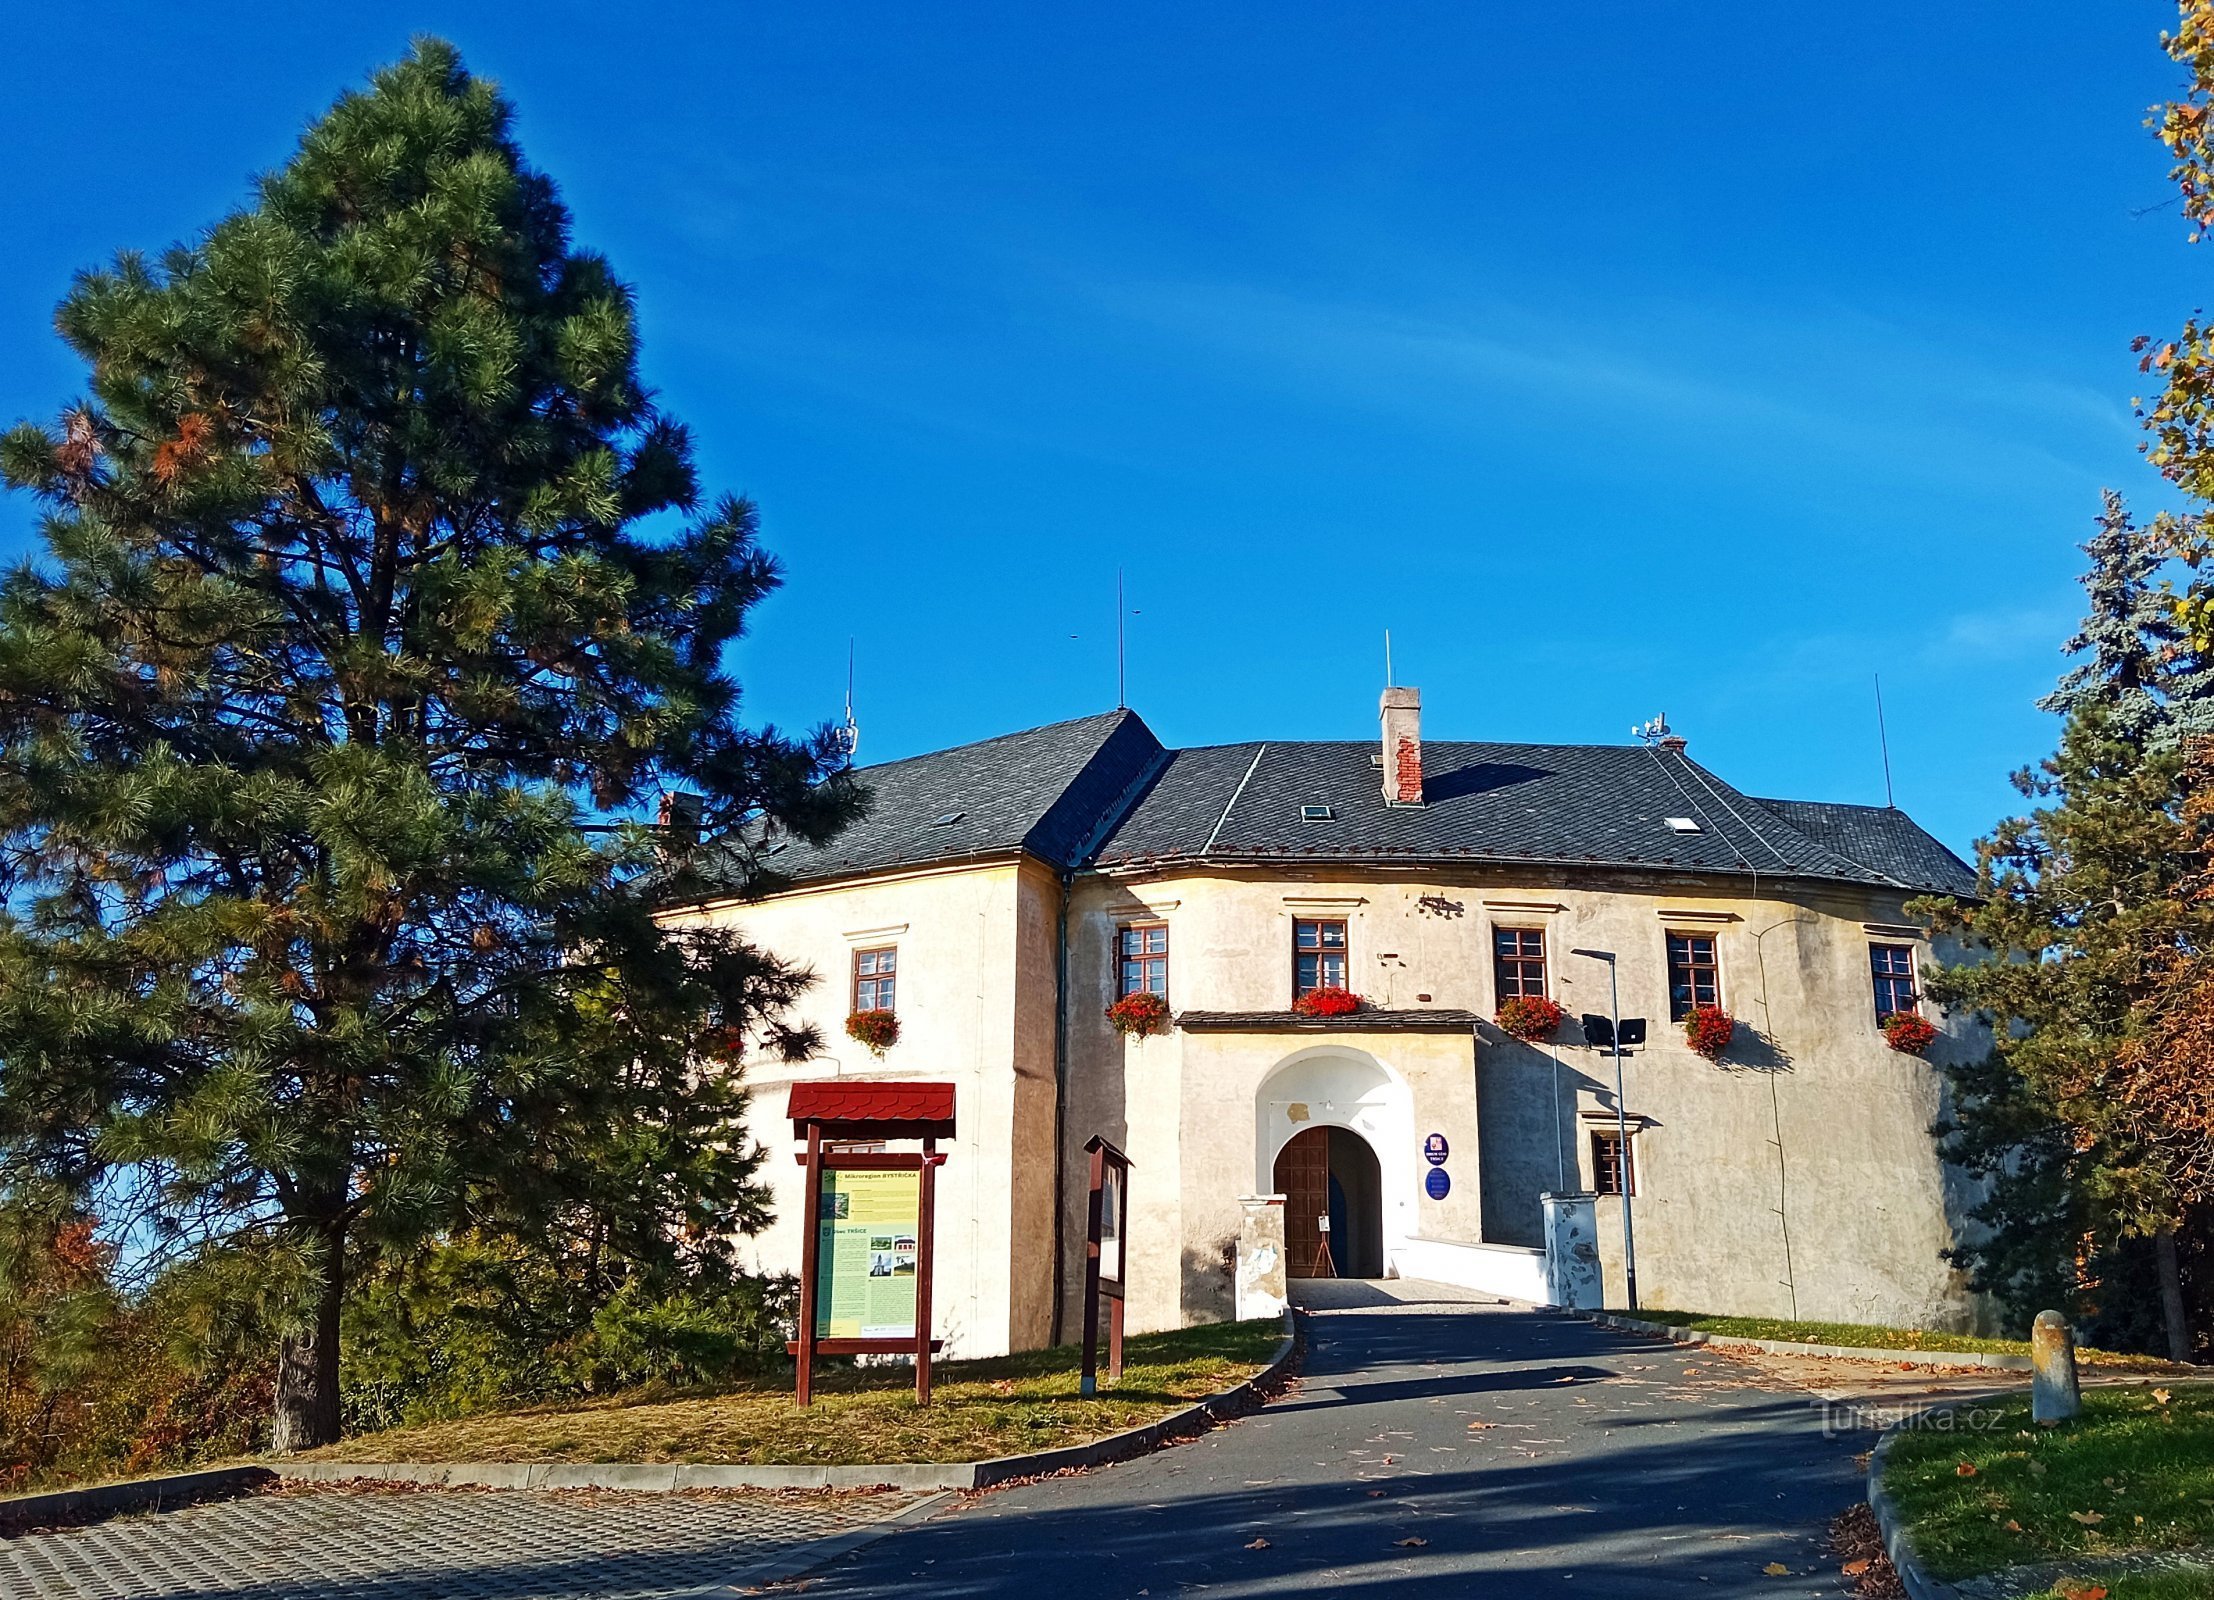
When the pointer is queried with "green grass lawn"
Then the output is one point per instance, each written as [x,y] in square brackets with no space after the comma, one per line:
[1865,1336]
[2138,1586]
[978,1410]
[2134,1472]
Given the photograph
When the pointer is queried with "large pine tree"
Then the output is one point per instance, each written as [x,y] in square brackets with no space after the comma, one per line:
[376,595]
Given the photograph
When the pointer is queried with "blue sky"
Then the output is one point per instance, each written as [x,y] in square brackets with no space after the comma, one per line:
[1618,359]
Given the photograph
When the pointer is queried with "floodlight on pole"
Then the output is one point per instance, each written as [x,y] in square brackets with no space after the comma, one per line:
[1616,1038]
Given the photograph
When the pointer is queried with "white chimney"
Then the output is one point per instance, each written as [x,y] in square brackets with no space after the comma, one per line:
[1401,714]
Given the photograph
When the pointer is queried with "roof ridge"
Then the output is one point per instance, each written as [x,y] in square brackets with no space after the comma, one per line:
[1118,715]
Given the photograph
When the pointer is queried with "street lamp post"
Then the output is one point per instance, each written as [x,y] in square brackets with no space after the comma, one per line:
[1621,1120]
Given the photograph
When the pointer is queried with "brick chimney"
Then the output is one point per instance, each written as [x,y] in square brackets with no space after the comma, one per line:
[1401,714]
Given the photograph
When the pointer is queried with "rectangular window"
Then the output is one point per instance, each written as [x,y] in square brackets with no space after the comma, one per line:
[875,975]
[1518,962]
[1610,1164]
[1694,975]
[1893,968]
[1143,966]
[1318,957]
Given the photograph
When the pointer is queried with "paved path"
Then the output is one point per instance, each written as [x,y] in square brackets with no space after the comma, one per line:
[1436,1446]
[434,1545]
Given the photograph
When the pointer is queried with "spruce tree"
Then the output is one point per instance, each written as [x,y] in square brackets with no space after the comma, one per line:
[378,603]
[2086,893]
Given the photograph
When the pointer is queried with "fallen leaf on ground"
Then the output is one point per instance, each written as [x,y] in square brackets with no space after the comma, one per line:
[2090,1519]
[1776,1569]
[1410,1544]
[1258,1544]
[1853,1569]
[1475,1427]
[2012,1526]
[1967,1469]
[2068,1590]
[2161,1395]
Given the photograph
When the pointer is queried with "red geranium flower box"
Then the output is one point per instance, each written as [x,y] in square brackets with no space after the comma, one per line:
[879,1030]
[1709,1030]
[1141,1013]
[1327,1002]
[1909,1032]
[1530,1017]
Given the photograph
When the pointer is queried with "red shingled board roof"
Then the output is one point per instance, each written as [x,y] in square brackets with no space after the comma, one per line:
[851,1100]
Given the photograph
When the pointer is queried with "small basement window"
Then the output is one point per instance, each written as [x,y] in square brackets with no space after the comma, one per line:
[1684,825]
[1317,814]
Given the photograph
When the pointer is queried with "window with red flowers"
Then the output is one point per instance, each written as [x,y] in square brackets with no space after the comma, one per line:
[1518,963]
[1694,974]
[1318,956]
[1892,966]
[875,978]
[1142,960]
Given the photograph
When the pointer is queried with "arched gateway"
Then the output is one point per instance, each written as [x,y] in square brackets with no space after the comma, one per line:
[1330,1123]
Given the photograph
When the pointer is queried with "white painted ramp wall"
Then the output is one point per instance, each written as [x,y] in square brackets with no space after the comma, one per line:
[1509,1271]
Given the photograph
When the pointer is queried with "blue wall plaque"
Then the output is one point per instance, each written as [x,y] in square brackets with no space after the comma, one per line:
[1437,1183]
[1435,1149]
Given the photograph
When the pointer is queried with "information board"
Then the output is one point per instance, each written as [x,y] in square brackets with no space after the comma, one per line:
[867,1253]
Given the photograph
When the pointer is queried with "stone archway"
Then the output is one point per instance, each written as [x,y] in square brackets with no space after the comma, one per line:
[1330,1117]
[1331,1172]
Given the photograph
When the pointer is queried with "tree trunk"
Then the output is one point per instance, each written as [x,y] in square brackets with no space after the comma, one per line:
[307,1367]
[2171,1295]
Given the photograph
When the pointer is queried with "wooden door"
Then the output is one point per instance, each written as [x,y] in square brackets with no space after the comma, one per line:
[1303,1179]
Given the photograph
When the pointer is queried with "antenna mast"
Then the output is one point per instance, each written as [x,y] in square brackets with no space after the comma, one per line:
[1883,742]
[850,734]
[1389,680]
[1122,693]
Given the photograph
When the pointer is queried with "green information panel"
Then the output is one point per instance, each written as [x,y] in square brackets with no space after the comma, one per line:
[865,1266]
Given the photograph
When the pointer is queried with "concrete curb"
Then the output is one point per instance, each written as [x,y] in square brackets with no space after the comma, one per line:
[666,1477]
[1788,1347]
[140,1494]
[1891,1526]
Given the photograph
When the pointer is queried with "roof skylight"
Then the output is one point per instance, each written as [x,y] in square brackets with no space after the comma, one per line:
[1684,825]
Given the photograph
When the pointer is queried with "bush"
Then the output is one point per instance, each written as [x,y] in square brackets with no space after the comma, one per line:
[474,1324]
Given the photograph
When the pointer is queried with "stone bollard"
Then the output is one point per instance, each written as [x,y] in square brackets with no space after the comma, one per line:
[2053,1396]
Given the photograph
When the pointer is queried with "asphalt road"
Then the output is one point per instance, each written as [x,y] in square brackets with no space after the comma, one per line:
[1433,1446]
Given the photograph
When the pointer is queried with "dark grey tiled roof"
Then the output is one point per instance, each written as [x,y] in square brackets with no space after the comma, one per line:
[1570,805]
[1882,839]
[1102,791]
[1047,790]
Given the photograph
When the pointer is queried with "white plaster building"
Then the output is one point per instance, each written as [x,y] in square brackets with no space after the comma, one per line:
[1000,896]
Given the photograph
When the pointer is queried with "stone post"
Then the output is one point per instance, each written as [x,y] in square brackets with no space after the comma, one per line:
[1261,1286]
[2053,1396]
[1572,1278]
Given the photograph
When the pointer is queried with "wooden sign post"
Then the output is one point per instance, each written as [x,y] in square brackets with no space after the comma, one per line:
[867,1259]
[1106,1235]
